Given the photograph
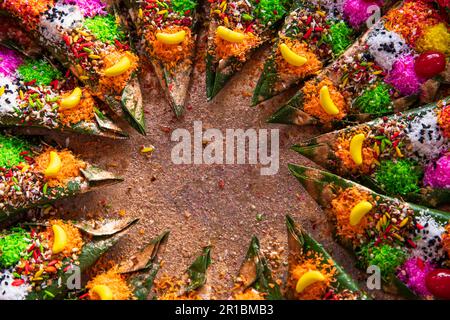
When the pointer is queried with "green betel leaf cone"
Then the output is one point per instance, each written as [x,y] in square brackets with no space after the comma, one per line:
[394,233]
[300,244]
[256,274]
[398,153]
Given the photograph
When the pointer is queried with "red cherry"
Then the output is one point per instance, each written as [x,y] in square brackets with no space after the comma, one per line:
[438,283]
[430,64]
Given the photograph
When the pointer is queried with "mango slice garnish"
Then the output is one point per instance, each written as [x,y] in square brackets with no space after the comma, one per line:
[359,211]
[54,165]
[326,102]
[291,57]
[119,68]
[308,279]
[229,35]
[356,145]
[171,38]
[59,239]
[103,292]
[71,100]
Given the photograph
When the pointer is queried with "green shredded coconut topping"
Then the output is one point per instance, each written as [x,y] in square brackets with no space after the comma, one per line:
[399,177]
[10,149]
[385,257]
[40,70]
[376,100]
[340,37]
[181,6]
[270,10]
[105,28]
[13,247]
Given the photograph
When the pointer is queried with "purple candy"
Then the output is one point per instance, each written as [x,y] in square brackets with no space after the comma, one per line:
[403,76]
[357,11]
[89,8]
[437,175]
[413,273]
[9,61]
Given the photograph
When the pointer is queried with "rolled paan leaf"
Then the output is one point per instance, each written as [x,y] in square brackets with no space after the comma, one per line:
[397,63]
[132,279]
[33,174]
[90,42]
[405,155]
[313,274]
[43,261]
[236,29]
[190,285]
[403,244]
[255,281]
[314,34]
[168,29]
[34,93]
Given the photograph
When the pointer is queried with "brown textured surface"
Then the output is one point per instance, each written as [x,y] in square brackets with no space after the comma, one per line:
[188,200]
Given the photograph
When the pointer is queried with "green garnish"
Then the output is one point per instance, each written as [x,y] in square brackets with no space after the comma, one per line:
[13,247]
[10,151]
[376,100]
[399,177]
[40,71]
[340,37]
[105,28]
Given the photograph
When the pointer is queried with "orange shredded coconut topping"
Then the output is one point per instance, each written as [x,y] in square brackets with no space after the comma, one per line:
[341,207]
[444,120]
[70,166]
[314,262]
[33,9]
[171,55]
[74,238]
[343,153]
[311,98]
[411,19]
[118,83]
[84,111]
[249,294]
[309,68]
[171,288]
[226,49]
[114,281]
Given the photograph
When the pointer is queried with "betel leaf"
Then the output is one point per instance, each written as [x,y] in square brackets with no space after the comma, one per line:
[300,242]
[141,269]
[197,270]
[255,272]
[89,254]
[324,186]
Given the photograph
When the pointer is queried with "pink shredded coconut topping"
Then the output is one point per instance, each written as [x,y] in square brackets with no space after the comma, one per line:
[437,175]
[413,273]
[357,11]
[403,76]
[9,61]
[89,8]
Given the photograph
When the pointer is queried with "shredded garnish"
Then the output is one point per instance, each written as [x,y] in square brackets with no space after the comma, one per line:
[70,166]
[84,111]
[114,281]
[341,207]
[226,49]
[74,239]
[313,262]
[312,106]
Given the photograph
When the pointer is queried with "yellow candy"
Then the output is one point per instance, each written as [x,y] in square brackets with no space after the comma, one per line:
[2,91]
[59,240]
[72,100]
[171,38]
[54,165]
[291,57]
[326,102]
[359,211]
[308,279]
[229,35]
[119,68]
[104,292]
[356,148]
